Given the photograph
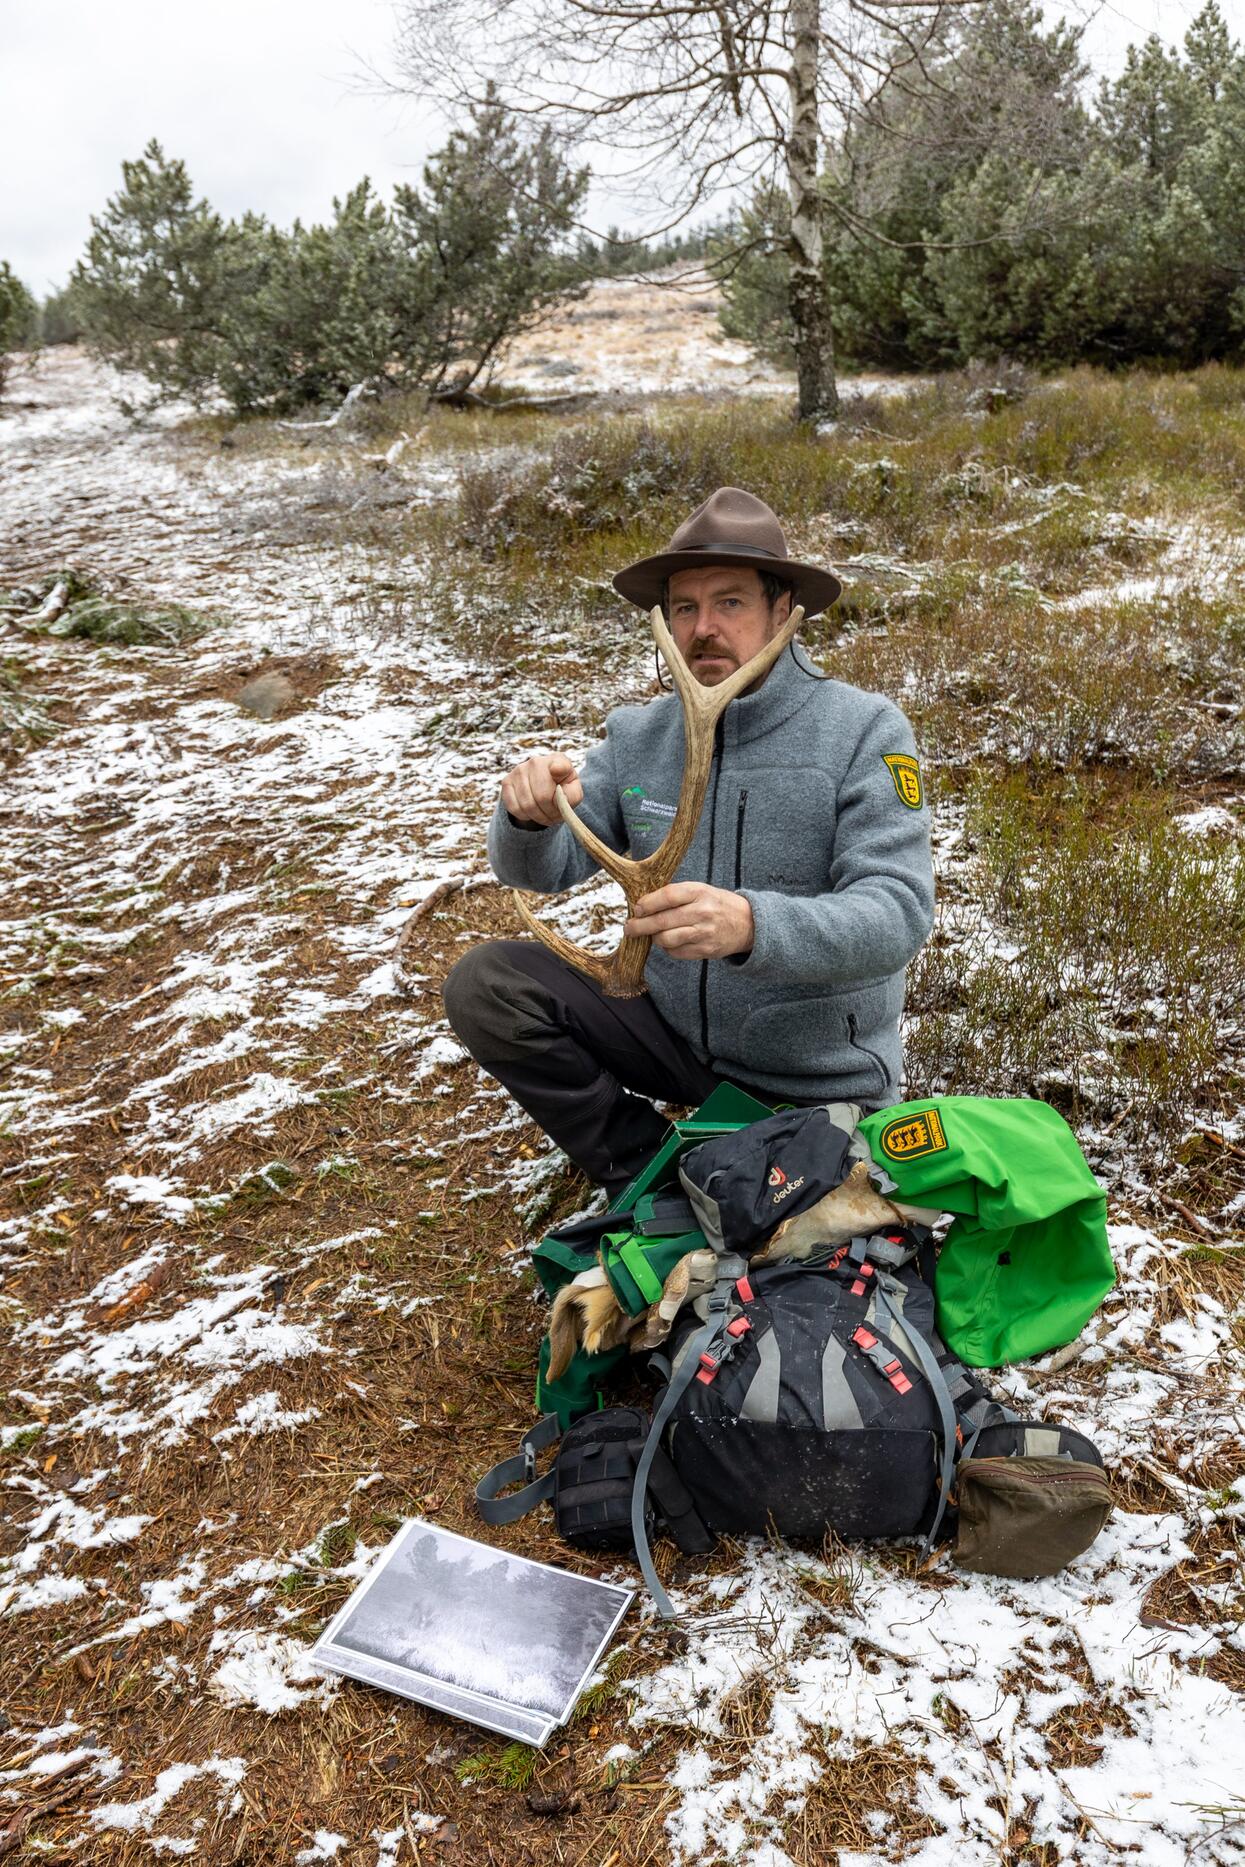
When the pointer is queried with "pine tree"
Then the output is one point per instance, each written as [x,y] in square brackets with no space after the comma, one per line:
[322,308]
[18,318]
[484,236]
[1214,176]
[161,274]
[1150,114]
[60,320]
[1211,52]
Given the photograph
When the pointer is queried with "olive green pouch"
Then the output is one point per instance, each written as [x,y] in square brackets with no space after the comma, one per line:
[1028,1516]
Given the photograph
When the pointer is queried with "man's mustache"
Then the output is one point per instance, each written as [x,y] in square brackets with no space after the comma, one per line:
[705,645]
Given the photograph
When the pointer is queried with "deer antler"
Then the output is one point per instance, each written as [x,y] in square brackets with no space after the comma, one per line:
[622,974]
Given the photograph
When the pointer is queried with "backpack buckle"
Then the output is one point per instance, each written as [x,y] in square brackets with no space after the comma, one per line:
[739,1327]
[887,1365]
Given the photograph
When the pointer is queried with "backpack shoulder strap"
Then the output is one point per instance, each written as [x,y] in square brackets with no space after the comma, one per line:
[730,1268]
[942,1400]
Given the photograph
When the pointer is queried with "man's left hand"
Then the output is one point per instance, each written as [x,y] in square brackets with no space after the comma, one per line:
[691,920]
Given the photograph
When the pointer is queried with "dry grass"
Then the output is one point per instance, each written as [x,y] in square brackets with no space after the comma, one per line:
[863,1801]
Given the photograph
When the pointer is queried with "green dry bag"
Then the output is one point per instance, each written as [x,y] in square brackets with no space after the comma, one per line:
[1026,1261]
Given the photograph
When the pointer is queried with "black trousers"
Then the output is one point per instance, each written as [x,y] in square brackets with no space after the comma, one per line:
[586,1068]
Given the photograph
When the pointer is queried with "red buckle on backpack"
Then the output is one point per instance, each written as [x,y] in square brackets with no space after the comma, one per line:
[862,1338]
[708,1369]
[744,1290]
[896,1376]
[739,1327]
[865,1272]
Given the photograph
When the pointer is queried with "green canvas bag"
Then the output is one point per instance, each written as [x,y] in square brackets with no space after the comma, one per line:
[1026,1261]
[636,1259]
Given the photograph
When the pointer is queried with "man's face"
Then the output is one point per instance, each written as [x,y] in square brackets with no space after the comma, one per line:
[720,618]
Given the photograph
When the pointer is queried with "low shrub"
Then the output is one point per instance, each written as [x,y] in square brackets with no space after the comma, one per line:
[69,606]
[1099,963]
[988,669]
[1067,483]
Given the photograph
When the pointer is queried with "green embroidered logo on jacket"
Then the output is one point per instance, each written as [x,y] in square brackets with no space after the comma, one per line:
[645,814]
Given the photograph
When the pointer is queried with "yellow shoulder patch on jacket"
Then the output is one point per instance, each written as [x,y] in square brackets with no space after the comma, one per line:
[916,1134]
[907,775]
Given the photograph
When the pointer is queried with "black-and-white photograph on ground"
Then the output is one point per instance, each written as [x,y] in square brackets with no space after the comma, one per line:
[469,1630]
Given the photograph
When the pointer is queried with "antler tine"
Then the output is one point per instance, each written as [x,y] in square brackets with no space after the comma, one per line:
[702,708]
[622,975]
[592,963]
[710,701]
[620,867]
[688,687]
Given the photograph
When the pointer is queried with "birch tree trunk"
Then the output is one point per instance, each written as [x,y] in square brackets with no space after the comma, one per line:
[810,305]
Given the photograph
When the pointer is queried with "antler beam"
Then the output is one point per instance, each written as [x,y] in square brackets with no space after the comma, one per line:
[621,975]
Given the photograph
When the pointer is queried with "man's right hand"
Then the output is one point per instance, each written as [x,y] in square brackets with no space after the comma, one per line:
[527,792]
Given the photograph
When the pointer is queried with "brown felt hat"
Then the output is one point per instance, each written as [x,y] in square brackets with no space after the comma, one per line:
[732,527]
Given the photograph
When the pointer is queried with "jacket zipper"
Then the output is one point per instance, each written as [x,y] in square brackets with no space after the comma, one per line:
[856,1044]
[739,837]
[713,824]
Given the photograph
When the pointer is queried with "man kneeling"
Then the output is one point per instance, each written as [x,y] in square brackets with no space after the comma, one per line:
[779,949]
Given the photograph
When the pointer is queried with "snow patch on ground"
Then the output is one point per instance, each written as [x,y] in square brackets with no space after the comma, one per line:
[963,1674]
[140,1816]
[267,1670]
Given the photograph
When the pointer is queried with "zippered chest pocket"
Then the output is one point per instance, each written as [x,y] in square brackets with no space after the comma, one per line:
[782,830]
[740,815]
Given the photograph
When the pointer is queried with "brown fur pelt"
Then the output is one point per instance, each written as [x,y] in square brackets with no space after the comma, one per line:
[586,1313]
[852,1209]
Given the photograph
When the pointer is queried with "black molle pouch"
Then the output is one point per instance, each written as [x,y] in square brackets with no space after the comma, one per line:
[594,1477]
[743,1185]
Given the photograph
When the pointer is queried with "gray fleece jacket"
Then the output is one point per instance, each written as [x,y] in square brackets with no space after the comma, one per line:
[829,843]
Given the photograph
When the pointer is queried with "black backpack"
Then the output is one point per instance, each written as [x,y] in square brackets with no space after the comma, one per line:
[830,1412]
[803,1396]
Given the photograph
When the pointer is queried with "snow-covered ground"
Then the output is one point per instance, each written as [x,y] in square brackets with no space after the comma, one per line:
[196,935]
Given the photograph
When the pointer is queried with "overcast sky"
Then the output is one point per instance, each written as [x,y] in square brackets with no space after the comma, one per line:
[261,99]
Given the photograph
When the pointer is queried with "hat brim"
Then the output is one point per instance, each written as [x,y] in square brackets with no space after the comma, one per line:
[642,582]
